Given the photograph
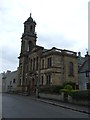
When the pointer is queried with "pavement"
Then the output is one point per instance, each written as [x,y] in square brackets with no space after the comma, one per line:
[0,116]
[79,108]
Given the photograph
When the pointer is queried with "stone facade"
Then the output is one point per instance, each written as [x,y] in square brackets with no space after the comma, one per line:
[39,66]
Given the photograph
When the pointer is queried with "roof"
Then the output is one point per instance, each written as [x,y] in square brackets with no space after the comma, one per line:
[59,51]
[36,48]
[85,66]
[29,20]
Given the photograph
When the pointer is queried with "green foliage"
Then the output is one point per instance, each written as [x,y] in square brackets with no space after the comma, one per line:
[55,89]
[80,94]
[69,83]
[50,89]
[68,87]
[66,91]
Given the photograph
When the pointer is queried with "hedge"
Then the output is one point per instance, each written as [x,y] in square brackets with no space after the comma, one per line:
[80,94]
[50,89]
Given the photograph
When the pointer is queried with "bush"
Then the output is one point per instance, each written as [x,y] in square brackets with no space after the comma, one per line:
[68,87]
[66,91]
[69,83]
[56,89]
[80,94]
[50,89]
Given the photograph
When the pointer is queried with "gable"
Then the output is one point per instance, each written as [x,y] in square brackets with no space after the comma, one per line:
[84,67]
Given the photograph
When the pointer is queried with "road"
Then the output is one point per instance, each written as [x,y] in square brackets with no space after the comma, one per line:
[17,106]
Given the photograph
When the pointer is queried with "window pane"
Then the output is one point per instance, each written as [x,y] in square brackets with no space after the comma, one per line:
[71,69]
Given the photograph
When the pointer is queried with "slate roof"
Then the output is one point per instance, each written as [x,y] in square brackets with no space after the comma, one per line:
[86,65]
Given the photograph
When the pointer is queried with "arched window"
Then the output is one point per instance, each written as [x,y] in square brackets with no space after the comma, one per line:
[31,28]
[48,80]
[49,62]
[24,28]
[42,81]
[30,45]
[71,69]
[31,64]
[37,63]
[34,64]
[42,63]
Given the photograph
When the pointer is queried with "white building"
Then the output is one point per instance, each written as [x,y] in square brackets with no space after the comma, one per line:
[0,83]
[9,81]
[84,74]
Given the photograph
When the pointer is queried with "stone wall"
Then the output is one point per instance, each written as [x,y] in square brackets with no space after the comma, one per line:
[61,98]
[78,102]
[51,96]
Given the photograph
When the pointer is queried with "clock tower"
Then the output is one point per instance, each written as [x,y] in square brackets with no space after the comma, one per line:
[29,36]
[28,42]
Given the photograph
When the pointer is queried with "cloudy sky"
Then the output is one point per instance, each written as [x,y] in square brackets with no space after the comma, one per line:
[60,23]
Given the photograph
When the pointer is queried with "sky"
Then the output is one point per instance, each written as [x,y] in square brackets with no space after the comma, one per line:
[60,23]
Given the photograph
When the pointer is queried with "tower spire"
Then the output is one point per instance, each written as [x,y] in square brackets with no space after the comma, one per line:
[30,14]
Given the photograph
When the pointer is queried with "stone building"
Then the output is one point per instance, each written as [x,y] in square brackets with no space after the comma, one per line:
[39,66]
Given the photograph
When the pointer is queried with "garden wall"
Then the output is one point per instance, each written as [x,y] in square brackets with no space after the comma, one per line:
[62,98]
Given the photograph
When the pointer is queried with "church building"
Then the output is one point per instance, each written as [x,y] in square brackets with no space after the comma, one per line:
[39,66]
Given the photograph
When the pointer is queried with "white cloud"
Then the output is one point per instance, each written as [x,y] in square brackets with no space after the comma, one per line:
[64,23]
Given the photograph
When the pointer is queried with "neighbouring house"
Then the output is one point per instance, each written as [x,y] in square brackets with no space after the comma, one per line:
[39,66]
[81,60]
[84,74]
[9,81]
[0,83]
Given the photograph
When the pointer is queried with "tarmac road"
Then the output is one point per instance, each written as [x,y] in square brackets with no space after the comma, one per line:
[17,106]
